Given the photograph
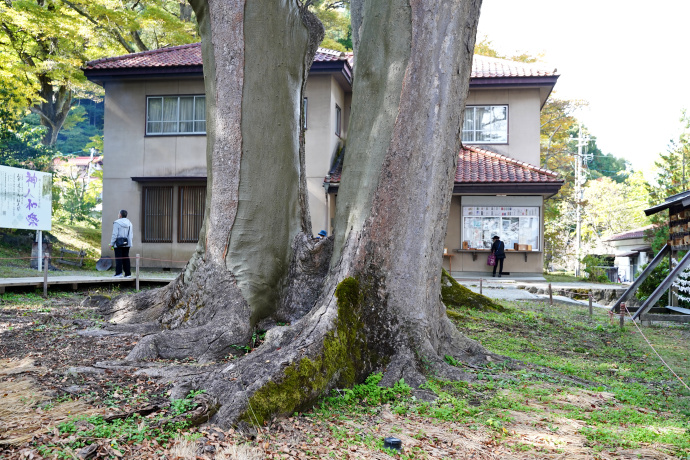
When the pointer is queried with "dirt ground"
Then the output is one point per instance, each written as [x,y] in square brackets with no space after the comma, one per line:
[49,373]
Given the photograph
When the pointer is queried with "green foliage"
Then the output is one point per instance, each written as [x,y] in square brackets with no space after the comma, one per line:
[44,45]
[335,17]
[20,144]
[655,278]
[84,431]
[83,124]
[592,267]
[367,394]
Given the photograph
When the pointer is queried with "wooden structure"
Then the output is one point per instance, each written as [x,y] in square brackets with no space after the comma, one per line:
[69,257]
[679,240]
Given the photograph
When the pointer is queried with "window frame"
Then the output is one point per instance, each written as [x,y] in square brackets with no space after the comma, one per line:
[147,133]
[338,120]
[199,218]
[166,220]
[474,131]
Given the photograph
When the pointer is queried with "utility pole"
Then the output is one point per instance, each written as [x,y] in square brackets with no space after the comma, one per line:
[579,182]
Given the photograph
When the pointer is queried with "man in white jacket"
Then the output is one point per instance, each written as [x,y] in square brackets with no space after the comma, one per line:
[122,233]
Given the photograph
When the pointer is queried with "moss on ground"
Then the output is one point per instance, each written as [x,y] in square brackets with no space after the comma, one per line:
[457,296]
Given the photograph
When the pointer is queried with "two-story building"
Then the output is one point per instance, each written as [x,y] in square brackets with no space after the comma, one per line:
[155,163]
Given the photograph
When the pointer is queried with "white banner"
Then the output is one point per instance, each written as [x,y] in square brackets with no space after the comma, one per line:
[25,199]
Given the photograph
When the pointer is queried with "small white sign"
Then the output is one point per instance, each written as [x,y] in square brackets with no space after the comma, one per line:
[26,199]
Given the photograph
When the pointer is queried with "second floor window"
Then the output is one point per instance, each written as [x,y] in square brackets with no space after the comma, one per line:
[485,124]
[176,115]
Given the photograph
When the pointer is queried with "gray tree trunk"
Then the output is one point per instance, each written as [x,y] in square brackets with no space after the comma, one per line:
[374,304]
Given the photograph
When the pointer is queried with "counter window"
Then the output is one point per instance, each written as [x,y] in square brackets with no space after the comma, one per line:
[514,224]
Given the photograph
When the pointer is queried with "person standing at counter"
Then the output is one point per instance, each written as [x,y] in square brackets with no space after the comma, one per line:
[499,250]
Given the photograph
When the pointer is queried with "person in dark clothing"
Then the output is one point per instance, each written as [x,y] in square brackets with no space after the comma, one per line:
[499,250]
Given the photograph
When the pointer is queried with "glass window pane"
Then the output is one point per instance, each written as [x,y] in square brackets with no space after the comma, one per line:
[200,108]
[169,127]
[155,109]
[199,126]
[186,126]
[186,110]
[486,124]
[153,127]
[170,109]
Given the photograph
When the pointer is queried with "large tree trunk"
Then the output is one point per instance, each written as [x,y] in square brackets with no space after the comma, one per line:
[375,303]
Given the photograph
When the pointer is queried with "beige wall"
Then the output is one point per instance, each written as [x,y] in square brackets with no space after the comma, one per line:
[523,121]
[129,153]
[515,262]
[323,93]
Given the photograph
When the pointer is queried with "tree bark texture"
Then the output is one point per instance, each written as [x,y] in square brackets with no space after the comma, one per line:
[370,298]
[257,55]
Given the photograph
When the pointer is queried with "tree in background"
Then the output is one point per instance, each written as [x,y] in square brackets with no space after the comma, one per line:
[670,179]
[43,45]
[335,17]
[611,208]
[80,190]
[21,146]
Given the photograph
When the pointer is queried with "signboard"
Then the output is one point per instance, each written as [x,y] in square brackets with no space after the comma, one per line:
[25,199]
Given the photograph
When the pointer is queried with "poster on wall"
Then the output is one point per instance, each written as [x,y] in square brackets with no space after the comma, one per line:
[26,199]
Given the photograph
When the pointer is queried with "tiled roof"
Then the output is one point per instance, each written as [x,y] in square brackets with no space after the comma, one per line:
[490,67]
[477,165]
[190,55]
[185,55]
[630,234]
[175,56]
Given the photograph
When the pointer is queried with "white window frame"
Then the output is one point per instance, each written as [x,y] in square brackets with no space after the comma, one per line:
[194,121]
[473,108]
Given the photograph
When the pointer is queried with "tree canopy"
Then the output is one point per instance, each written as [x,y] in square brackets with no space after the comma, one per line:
[44,44]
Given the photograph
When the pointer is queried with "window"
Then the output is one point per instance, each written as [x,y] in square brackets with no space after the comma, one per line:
[176,115]
[514,224]
[157,213]
[304,113]
[337,120]
[191,213]
[486,124]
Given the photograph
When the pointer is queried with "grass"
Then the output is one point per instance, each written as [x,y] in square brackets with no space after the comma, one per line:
[565,370]
[15,251]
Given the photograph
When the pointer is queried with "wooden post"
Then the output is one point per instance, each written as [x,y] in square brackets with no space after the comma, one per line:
[590,303]
[45,275]
[137,268]
[624,310]
[550,295]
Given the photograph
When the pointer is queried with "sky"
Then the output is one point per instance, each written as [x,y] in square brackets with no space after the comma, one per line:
[628,59]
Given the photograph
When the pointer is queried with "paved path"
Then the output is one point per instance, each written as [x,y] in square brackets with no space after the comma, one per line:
[509,289]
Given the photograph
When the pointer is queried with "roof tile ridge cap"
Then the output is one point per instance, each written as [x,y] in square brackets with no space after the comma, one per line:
[144,53]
